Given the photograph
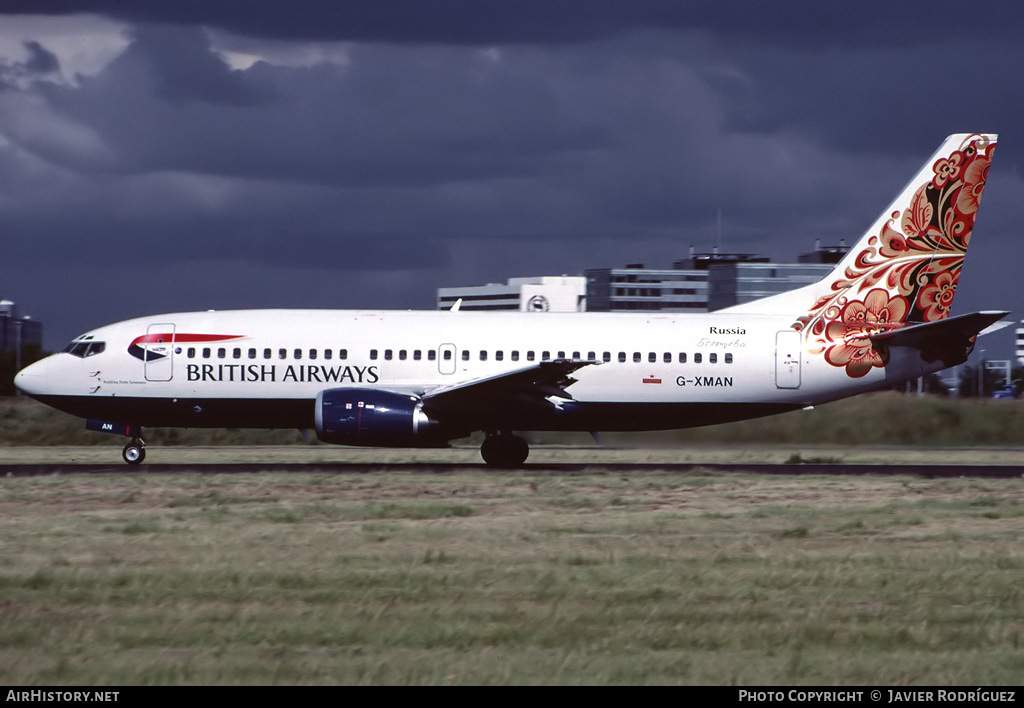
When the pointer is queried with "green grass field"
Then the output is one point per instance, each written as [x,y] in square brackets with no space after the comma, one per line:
[533,577]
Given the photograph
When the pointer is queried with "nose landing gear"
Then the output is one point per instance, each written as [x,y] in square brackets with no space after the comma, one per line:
[504,450]
[134,452]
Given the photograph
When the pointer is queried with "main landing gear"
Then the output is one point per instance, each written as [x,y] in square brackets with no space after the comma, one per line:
[504,450]
[134,452]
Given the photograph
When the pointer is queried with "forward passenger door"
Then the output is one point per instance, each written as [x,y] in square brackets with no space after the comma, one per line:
[159,352]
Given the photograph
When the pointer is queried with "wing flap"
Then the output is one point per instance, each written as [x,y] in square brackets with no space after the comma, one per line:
[539,381]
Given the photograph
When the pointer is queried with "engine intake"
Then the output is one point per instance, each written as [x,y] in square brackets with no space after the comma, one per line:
[360,416]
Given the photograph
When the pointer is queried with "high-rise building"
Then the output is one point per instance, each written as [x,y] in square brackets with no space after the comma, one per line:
[16,330]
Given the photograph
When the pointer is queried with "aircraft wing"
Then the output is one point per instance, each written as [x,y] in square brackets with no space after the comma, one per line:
[529,384]
[950,339]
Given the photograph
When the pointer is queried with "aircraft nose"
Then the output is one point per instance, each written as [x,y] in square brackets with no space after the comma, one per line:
[32,380]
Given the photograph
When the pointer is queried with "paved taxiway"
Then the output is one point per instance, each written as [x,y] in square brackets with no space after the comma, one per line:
[928,470]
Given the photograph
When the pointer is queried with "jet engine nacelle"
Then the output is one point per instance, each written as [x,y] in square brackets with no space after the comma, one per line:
[361,416]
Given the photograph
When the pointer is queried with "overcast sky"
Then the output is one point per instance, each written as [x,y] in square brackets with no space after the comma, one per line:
[159,156]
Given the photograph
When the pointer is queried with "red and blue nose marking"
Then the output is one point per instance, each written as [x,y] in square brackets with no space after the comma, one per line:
[139,349]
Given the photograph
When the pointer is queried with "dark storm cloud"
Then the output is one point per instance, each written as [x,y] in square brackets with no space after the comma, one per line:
[858,100]
[393,116]
[626,138]
[401,21]
[40,61]
[180,68]
[39,64]
[407,145]
[793,22]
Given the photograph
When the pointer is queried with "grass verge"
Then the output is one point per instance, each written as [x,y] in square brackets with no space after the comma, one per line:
[871,419]
[483,578]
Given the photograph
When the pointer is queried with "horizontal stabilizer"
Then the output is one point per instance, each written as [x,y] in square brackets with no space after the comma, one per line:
[925,335]
[949,340]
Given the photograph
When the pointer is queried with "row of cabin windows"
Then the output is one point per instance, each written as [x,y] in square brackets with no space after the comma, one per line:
[514,355]
[447,354]
[268,353]
[681,357]
[403,355]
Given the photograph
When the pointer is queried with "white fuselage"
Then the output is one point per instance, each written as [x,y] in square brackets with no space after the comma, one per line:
[652,370]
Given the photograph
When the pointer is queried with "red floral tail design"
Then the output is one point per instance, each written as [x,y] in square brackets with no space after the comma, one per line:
[906,269]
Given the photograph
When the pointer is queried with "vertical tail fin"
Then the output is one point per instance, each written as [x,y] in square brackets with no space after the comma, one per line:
[914,251]
[904,269]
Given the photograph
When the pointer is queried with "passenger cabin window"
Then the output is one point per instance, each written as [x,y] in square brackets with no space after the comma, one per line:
[417,354]
[191,352]
[282,353]
[432,355]
[373,355]
[636,357]
[713,358]
[221,352]
[328,354]
[252,352]
[544,356]
[728,358]
[465,355]
[530,356]
[267,353]
[206,352]
[402,354]
[652,357]
[697,358]
[483,355]
[667,358]
[499,355]
[298,353]
[343,353]
[447,354]
[236,353]
[682,357]
[312,353]
[514,355]
[606,357]
[622,357]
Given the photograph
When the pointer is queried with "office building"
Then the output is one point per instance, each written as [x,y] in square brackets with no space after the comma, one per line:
[538,294]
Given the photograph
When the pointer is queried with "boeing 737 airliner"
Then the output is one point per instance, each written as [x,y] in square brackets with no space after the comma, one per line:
[422,379]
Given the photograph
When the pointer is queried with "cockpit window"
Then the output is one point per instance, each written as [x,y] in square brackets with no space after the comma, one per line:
[84,347]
